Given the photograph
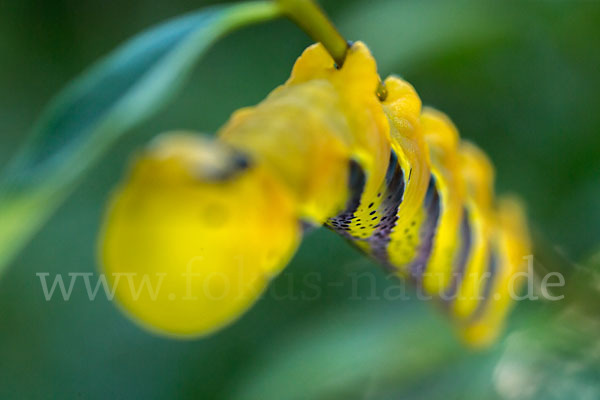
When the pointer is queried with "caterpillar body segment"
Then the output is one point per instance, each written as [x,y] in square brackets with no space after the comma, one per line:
[307,130]
[185,239]
[510,244]
[452,242]
[403,109]
[389,176]
[479,269]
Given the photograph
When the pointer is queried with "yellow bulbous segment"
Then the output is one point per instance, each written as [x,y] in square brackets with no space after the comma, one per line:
[309,129]
[513,243]
[478,176]
[403,109]
[194,234]
[442,139]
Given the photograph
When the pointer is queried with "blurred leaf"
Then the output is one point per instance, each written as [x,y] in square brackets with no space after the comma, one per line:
[88,117]
[402,34]
[375,352]
[353,354]
[556,353]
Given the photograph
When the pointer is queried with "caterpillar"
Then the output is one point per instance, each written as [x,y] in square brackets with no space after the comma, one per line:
[217,219]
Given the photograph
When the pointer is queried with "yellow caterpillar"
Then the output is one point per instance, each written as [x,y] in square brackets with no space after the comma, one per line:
[215,220]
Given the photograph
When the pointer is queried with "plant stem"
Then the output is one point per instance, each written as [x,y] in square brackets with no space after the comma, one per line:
[312,20]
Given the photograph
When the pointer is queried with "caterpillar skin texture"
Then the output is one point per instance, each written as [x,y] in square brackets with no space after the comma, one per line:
[215,219]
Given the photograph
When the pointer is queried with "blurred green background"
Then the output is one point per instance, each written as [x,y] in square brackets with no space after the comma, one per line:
[519,78]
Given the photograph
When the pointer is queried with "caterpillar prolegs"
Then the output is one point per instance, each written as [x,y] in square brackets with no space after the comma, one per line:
[217,219]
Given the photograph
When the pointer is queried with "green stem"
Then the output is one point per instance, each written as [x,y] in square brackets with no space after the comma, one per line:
[312,20]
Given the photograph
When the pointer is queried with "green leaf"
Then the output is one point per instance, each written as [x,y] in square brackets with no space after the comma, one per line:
[81,124]
[352,353]
[406,34]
